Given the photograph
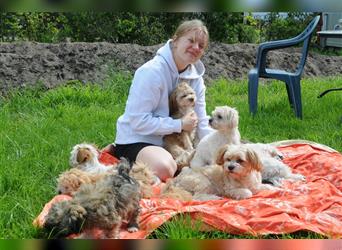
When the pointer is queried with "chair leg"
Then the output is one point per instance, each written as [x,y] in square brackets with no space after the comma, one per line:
[253,82]
[295,94]
[289,95]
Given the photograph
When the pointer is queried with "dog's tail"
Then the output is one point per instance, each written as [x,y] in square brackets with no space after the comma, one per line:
[124,168]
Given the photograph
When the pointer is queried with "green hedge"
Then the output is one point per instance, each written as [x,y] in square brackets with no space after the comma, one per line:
[143,27]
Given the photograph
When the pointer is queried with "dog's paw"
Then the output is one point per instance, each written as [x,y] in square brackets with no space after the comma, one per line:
[241,194]
[206,197]
[132,229]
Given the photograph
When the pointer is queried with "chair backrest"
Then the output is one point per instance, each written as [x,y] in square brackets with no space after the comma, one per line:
[305,36]
[308,30]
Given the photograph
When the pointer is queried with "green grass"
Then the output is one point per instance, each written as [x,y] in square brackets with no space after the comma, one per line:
[182,227]
[38,128]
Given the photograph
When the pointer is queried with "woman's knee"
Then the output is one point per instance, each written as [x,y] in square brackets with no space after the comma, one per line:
[159,160]
[165,169]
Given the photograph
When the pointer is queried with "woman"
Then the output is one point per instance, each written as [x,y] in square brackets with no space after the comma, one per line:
[146,119]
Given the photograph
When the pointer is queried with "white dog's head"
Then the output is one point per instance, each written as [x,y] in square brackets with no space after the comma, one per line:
[182,99]
[238,160]
[224,118]
[83,153]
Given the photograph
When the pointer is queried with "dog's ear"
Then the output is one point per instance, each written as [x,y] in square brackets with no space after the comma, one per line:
[220,155]
[254,159]
[173,106]
[83,155]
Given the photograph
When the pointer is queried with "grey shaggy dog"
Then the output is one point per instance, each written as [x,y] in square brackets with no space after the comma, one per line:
[103,204]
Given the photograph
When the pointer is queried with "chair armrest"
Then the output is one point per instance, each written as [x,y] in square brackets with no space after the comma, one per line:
[274,45]
[279,44]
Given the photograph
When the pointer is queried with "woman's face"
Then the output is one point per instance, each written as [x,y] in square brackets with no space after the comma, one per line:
[189,48]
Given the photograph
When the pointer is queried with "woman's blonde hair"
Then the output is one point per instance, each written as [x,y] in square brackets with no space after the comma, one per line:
[190,25]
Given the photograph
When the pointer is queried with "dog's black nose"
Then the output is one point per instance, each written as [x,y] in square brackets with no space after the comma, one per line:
[191,99]
[210,120]
[231,167]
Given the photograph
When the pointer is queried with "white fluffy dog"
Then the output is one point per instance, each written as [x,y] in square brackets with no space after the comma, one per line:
[85,156]
[225,120]
[274,171]
[236,175]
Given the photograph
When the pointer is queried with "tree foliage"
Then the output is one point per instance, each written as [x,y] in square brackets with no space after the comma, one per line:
[143,27]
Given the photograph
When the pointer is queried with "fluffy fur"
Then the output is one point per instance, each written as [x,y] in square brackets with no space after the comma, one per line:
[274,171]
[104,204]
[236,175]
[85,156]
[225,121]
[89,170]
[70,181]
[181,145]
[145,177]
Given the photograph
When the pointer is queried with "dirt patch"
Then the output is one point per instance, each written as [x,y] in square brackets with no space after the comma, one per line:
[26,63]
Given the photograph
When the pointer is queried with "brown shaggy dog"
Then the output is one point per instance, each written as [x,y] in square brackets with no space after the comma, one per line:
[104,204]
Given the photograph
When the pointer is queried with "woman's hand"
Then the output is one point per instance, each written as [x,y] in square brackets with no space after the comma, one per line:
[189,122]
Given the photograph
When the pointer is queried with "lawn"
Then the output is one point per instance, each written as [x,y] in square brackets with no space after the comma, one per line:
[39,128]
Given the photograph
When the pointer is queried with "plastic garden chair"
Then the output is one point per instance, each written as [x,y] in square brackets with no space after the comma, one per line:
[291,79]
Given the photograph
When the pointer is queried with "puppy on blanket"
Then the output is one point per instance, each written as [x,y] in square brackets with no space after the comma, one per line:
[273,171]
[236,175]
[104,204]
[86,168]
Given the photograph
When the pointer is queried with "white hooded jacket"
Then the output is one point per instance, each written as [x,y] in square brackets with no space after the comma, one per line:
[146,117]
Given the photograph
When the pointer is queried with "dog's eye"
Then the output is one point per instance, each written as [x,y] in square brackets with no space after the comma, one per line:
[239,161]
[219,117]
[183,96]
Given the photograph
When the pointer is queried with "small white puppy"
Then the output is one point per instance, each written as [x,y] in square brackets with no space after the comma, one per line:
[225,121]
[274,171]
[85,156]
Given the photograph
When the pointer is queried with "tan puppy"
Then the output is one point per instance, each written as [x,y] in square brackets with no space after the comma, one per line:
[181,145]
[70,181]
[236,175]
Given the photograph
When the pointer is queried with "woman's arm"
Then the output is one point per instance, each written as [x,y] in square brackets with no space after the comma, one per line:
[147,105]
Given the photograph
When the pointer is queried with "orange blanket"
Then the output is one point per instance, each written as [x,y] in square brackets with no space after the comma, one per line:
[314,205]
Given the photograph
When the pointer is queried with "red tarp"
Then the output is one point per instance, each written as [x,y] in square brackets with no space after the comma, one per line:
[314,205]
